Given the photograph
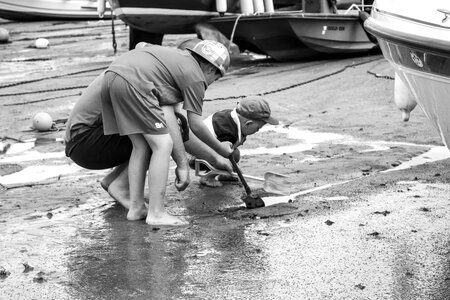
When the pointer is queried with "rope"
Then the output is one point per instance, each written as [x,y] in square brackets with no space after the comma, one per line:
[50,77]
[45,91]
[41,100]
[114,43]
[233,31]
[380,76]
[298,84]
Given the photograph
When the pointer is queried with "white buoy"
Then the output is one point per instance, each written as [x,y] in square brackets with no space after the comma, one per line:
[4,35]
[246,7]
[42,121]
[258,6]
[101,8]
[41,43]
[221,6]
[268,6]
[403,98]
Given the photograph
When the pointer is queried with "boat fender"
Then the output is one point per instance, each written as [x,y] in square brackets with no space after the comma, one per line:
[42,121]
[41,43]
[4,36]
[246,7]
[221,6]
[268,5]
[403,98]
[101,8]
[258,6]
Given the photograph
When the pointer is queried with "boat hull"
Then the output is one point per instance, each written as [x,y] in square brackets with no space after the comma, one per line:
[417,45]
[165,16]
[37,10]
[295,35]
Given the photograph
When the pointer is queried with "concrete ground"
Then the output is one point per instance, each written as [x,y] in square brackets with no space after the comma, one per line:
[367,218]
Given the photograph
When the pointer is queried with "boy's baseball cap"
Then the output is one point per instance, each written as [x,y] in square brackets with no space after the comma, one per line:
[256,108]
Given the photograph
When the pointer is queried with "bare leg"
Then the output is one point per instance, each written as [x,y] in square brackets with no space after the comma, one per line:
[108,179]
[119,188]
[161,146]
[137,168]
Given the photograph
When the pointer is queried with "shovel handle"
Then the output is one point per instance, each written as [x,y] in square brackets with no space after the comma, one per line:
[241,177]
[210,170]
[213,171]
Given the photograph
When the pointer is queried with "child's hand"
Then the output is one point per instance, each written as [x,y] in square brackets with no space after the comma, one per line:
[182,179]
[226,149]
[222,163]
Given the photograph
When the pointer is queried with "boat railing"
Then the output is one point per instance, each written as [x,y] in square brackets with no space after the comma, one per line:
[358,7]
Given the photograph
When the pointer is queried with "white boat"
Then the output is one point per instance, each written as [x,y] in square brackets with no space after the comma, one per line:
[414,37]
[319,28]
[38,10]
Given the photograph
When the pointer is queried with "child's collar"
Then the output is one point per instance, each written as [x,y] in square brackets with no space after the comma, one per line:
[236,120]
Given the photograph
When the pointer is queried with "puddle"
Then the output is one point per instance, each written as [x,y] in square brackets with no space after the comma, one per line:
[310,139]
[268,201]
[434,154]
[23,152]
[45,240]
[18,147]
[337,198]
[35,174]
[32,155]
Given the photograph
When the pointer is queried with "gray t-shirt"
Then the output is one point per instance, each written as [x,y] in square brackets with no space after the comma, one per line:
[87,112]
[171,74]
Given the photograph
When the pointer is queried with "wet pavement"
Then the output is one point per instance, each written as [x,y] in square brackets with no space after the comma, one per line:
[367,219]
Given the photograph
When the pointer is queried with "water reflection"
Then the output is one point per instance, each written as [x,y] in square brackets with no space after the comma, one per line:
[93,252]
[128,259]
[112,258]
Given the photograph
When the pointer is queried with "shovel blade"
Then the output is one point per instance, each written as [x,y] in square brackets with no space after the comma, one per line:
[277,184]
[253,201]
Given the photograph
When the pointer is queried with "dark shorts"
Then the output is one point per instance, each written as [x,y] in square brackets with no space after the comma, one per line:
[92,149]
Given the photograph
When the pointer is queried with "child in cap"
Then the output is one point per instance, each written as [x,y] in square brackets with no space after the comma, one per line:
[234,125]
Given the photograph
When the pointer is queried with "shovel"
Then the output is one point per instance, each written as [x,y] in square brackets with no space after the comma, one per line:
[251,201]
[273,182]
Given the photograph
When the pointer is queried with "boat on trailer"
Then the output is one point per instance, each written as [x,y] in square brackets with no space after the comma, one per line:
[40,10]
[320,27]
[150,20]
[415,39]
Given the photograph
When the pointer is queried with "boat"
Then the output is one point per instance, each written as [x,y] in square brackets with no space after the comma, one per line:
[415,39]
[41,10]
[320,27]
[150,20]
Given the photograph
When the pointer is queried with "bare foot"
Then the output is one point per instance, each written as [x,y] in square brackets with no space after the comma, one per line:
[165,219]
[210,181]
[112,176]
[119,194]
[135,214]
